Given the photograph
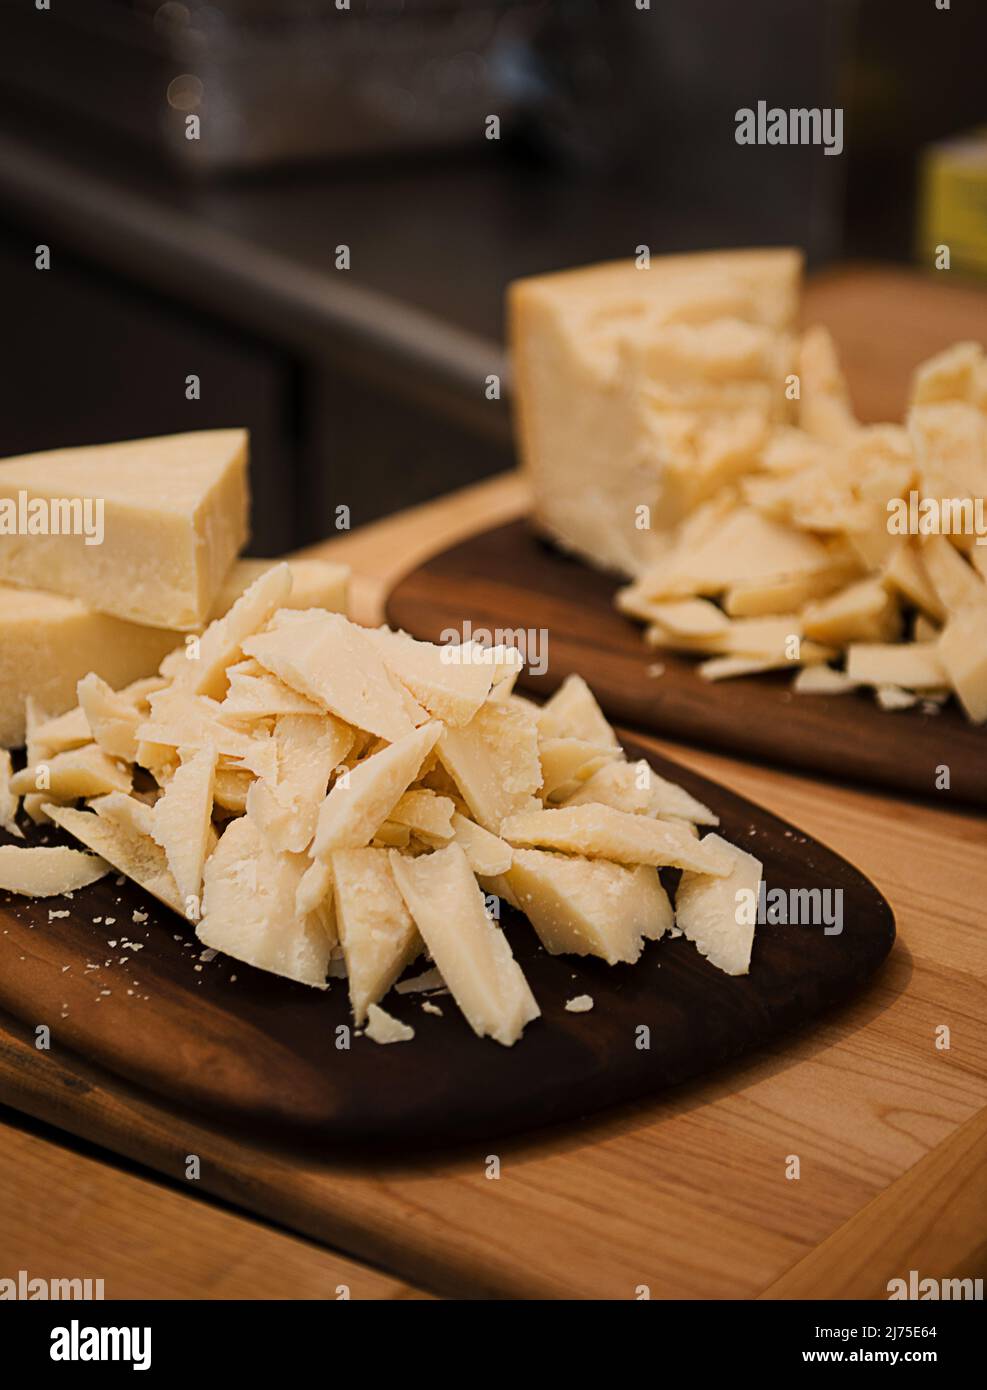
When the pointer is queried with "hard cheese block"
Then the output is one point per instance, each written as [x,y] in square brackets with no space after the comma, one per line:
[168,516]
[647,388]
[48,643]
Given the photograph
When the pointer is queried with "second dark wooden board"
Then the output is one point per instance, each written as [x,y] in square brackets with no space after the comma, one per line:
[508,578]
[258,1054]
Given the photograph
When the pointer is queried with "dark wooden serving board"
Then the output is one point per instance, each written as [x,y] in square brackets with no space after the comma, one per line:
[509,578]
[257,1054]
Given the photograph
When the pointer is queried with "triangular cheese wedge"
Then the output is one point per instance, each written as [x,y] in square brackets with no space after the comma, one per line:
[154,523]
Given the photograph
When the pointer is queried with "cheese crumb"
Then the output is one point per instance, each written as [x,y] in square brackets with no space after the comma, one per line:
[382,1028]
[581,1004]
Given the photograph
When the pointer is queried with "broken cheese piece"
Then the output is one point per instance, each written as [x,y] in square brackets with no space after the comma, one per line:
[80,772]
[248,908]
[8,799]
[334,663]
[637,788]
[604,833]
[361,800]
[182,819]
[962,653]
[383,1028]
[135,855]
[589,906]
[47,873]
[468,947]
[376,930]
[494,761]
[718,914]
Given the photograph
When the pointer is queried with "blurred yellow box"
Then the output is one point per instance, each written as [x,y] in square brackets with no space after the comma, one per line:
[953,202]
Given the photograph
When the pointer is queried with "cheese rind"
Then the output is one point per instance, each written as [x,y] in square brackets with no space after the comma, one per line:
[468,947]
[174,517]
[47,873]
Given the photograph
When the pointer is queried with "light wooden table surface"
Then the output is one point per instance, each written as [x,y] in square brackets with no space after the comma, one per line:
[685,1194]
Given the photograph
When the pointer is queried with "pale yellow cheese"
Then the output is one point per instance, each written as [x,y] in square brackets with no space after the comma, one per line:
[494,762]
[566,762]
[309,747]
[128,812]
[333,662]
[262,696]
[825,411]
[361,800]
[68,730]
[426,814]
[637,788]
[951,375]
[135,855]
[646,387]
[383,1028]
[112,718]
[248,908]
[174,518]
[314,584]
[48,643]
[956,582]
[180,719]
[468,947]
[314,886]
[488,855]
[376,930]
[203,669]
[718,914]
[962,653]
[863,612]
[822,680]
[602,832]
[451,682]
[589,906]
[913,665]
[76,773]
[8,799]
[905,571]
[232,788]
[745,548]
[47,873]
[764,598]
[183,819]
[572,712]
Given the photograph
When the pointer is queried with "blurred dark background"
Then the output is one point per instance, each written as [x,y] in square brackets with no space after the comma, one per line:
[365,128]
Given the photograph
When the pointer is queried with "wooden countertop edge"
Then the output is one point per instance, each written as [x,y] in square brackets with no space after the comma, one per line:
[931,1219]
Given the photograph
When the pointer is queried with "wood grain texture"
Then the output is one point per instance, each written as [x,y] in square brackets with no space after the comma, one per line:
[930,1221]
[263,1054]
[56,1225]
[507,579]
